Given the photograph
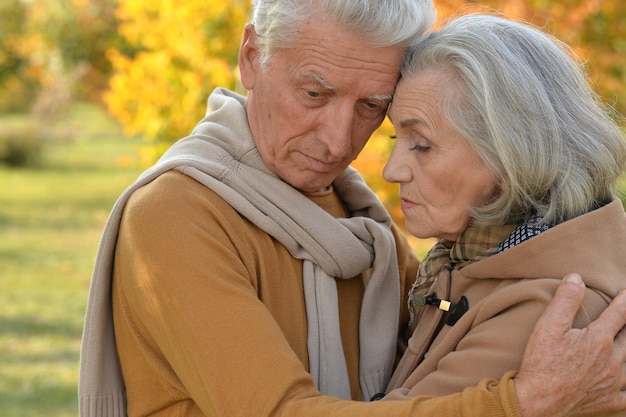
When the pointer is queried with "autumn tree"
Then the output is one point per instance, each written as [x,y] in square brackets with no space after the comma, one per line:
[18,77]
[177,53]
[50,50]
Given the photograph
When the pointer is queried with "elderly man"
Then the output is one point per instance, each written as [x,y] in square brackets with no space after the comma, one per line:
[251,269]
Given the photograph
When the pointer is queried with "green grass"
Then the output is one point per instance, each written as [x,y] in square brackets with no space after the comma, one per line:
[51,218]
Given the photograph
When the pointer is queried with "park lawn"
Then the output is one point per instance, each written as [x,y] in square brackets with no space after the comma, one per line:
[51,218]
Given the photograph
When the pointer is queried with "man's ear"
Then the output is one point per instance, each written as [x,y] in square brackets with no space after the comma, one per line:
[248,57]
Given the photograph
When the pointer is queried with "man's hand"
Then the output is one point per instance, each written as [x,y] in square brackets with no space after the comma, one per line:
[574,372]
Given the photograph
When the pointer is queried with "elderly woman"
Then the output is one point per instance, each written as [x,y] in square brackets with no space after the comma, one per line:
[504,153]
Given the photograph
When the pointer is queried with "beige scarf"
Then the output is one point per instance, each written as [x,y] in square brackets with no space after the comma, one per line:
[221,155]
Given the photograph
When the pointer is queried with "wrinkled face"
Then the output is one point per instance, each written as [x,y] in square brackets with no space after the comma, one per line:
[314,106]
[439,173]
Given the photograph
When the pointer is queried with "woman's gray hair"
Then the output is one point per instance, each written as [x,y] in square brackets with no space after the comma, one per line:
[521,100]
[379,22]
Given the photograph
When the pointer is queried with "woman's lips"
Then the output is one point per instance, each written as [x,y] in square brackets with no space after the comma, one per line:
[407,204]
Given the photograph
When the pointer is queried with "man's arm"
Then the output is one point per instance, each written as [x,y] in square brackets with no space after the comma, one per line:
[574,372]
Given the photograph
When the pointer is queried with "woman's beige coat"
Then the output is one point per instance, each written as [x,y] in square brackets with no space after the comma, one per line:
[507,293]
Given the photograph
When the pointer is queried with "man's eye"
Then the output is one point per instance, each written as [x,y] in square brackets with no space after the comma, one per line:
[375,106]
[313,94]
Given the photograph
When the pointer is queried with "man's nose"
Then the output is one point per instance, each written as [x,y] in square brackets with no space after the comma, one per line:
[339,127]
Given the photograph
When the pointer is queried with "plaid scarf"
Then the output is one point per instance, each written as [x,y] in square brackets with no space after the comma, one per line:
[524,232]
[474,244]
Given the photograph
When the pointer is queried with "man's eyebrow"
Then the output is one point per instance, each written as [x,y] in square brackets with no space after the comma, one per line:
[328,86]
[382,97]
[325,84]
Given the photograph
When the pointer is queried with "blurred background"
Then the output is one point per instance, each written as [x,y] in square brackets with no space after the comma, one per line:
[93,91]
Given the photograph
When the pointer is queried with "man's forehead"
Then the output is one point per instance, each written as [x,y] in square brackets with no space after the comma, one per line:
[342,59]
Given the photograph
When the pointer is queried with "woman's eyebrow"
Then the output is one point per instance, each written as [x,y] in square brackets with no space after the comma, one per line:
[412,122]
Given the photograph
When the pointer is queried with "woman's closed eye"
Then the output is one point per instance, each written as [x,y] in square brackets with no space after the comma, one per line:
[420,148]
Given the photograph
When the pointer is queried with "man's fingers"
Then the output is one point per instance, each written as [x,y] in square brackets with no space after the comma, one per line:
[620,345]
[595,356]
[613,319]
[568,298]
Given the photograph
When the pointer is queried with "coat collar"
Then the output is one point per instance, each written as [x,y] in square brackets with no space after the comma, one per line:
[593,245]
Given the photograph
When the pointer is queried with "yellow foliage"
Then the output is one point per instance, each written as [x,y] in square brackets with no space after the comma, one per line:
[179,52]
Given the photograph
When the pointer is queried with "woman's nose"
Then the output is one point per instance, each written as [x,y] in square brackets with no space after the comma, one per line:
[396,169]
